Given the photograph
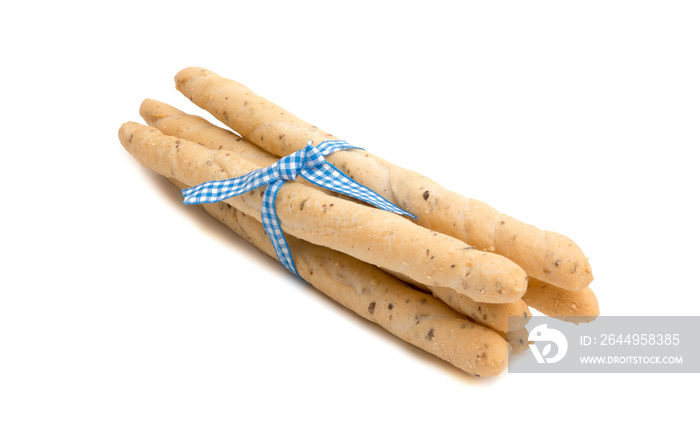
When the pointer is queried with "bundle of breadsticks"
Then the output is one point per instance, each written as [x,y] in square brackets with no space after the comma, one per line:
[457,281]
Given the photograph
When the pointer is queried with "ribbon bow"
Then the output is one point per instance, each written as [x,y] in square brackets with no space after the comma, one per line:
[308,162]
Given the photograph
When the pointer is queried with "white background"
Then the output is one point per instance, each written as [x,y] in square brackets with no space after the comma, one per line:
[122,309]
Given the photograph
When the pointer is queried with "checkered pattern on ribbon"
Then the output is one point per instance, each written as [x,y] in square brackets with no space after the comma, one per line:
[308,162]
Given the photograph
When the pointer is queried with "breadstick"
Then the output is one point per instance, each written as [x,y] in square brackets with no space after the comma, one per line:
[412,316]
[495,316]
[545,255]
[499,317]
[517,340]
[174,122]
[575,306]
[368,234]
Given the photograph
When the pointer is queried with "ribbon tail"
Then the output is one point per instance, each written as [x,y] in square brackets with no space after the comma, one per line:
[329,147]
[272,226]
[217,191]
[329,177]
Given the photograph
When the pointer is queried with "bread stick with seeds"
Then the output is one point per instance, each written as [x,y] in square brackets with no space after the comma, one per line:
[544,255]
[574,306]
[495,316]
[174,122]
[499,317]
[517,340]
[412,316]
[366,233]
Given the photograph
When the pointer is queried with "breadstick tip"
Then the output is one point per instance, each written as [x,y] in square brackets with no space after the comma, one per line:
[188,73]
[565,264]
[508,280]
[153,110]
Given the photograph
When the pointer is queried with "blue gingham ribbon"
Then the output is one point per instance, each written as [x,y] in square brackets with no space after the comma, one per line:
[307,162]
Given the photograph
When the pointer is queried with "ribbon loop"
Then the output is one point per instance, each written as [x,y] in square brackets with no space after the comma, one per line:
[308,162]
